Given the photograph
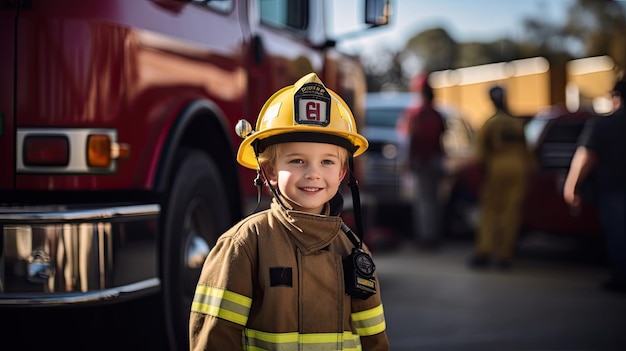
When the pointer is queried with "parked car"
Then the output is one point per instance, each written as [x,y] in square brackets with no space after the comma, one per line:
[384,180]
[552,134]
[387,183]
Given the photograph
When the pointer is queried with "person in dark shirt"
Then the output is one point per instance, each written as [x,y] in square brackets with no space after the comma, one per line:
[602,151]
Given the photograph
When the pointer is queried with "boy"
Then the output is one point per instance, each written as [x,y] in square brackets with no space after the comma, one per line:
[275,280]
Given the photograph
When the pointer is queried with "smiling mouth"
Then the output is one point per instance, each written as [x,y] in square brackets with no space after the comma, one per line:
[312,190]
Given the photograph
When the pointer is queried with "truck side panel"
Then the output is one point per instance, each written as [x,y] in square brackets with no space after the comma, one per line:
[7,64]
[130,66]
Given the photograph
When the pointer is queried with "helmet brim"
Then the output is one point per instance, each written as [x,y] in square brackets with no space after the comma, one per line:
[246,156]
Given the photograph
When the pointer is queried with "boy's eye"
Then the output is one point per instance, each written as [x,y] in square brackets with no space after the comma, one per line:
[328,162]
[297,161]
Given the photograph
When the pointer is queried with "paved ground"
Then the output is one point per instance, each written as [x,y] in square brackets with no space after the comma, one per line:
[433,302]
[548,301]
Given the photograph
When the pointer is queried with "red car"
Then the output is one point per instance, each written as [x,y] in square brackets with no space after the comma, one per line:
[553,135]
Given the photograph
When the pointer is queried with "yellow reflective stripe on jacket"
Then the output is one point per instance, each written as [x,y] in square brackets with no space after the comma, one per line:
[369,322]
[222,304]
[255,340]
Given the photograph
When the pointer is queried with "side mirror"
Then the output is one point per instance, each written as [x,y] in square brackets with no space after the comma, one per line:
[377,12]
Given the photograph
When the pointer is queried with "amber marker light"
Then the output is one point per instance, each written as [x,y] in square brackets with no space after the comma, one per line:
[99,151]
[46,150]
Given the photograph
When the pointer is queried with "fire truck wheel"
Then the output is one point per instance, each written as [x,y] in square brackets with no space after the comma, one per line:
[195,215]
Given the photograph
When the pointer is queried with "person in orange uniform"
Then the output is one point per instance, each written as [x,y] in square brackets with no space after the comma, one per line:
[502,150]
[294,276]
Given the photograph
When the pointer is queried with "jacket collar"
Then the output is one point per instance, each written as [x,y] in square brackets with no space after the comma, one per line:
[310,232]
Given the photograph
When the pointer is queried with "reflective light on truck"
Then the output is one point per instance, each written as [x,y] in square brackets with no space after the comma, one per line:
[68,150]
[46,150]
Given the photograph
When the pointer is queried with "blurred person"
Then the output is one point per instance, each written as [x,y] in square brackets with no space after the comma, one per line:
[293,276]
[424,127]
[502,151]
[599,158]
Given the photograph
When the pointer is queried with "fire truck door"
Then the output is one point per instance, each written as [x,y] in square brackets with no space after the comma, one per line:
[7,95]
[282,50]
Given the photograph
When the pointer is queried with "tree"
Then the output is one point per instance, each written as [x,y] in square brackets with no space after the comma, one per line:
[434,48]
[593,28]
[383,70]
[600,27]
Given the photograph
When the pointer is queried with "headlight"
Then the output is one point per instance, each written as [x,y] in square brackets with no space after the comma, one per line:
[390,151]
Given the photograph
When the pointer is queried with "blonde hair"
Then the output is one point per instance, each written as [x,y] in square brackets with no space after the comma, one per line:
[270,154]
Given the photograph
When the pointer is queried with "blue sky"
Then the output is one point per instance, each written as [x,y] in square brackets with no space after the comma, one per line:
[465,20]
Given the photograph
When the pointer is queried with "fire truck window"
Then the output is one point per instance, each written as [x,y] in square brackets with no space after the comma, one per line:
[284,14]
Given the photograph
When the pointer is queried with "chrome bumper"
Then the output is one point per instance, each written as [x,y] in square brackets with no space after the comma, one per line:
[58,256]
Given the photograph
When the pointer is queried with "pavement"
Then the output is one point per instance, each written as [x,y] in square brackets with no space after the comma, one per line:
[549,299]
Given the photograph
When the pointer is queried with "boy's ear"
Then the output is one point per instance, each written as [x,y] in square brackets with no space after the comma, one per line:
[342,175]
[270,173]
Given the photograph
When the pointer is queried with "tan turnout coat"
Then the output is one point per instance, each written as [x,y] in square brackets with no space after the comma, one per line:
[274,281]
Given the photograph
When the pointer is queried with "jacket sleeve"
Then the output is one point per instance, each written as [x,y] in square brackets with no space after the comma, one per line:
[223,297]
[369,320]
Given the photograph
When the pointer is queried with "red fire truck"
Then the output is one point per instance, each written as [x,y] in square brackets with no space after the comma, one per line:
[117,144]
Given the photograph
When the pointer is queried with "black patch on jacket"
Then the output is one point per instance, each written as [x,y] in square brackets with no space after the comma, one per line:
[280,276]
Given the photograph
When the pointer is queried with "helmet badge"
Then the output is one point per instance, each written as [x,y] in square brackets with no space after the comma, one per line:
[312,105]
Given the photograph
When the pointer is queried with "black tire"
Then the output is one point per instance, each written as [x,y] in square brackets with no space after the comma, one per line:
[196,214]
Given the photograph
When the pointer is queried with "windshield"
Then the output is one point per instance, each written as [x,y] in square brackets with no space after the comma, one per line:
[533,130]
[383,117]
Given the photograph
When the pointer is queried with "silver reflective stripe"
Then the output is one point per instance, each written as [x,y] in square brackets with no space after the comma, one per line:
[369,322]
[222,304]
[258,340]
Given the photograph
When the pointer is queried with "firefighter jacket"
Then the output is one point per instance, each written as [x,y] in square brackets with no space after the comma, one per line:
[501,146]
[275,281]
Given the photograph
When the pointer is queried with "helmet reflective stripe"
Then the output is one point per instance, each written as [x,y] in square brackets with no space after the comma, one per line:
[369,322]
[222,303]
[258,340]
[305,107]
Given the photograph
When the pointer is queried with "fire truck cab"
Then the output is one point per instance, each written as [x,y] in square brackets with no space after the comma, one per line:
[117,143]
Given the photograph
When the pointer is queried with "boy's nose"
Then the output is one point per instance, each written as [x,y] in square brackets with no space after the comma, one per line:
[312,172]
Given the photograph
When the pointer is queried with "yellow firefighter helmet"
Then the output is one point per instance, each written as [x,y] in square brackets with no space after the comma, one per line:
[306,112]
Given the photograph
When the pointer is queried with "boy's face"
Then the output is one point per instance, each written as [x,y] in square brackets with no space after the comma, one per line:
[307,174]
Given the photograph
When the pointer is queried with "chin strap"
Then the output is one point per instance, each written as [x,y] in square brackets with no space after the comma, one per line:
[354,189]
[258,183]
[356,201]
